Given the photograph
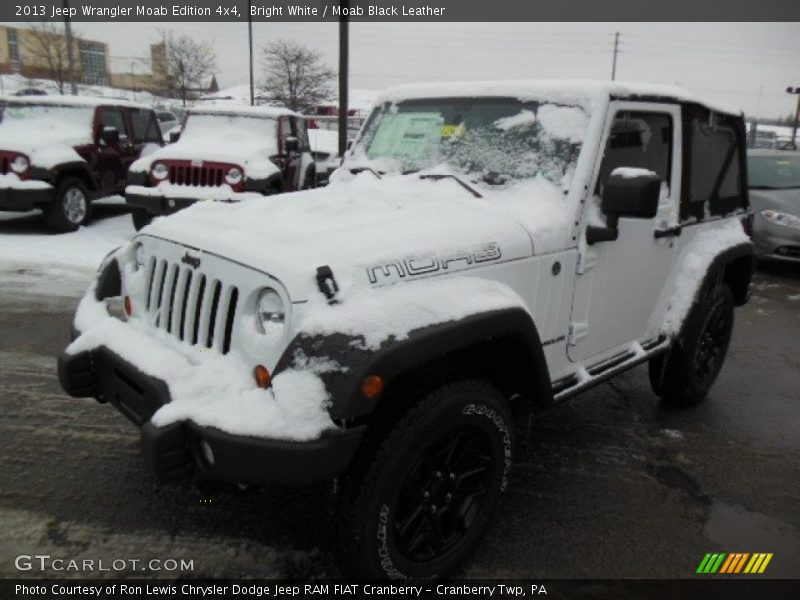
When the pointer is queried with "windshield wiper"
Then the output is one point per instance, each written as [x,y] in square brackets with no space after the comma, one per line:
[461,182]
[358,170]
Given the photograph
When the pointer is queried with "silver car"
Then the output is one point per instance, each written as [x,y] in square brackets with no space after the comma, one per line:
[775,198]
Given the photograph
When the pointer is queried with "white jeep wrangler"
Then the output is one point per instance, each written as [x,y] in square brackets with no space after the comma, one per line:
[483,244]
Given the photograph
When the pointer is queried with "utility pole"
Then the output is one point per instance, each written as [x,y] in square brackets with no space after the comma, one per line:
[796,91]
[70,58]
[250,41]
[343,84]
[616,52]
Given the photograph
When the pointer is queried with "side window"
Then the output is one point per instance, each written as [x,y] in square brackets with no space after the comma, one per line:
[145,127]
[114,117]
[302,134]
[714,160]
[640,140]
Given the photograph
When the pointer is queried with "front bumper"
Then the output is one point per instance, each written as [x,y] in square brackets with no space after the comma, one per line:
[187,450]
[776,242]
[158,205]
[16,199]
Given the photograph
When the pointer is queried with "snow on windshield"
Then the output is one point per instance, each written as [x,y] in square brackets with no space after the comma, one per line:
[494,140]
[229,129]
[35,123]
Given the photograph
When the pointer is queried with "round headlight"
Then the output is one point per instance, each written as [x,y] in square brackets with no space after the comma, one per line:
[20,164]
[233,176]
[270,312]
[159,171]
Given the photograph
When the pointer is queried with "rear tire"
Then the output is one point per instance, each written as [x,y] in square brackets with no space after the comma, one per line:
[416,502]
[684,375]
[141,218]
[71,207]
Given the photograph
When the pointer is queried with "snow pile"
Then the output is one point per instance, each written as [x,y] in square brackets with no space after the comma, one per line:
[693,266]
[564,122]
[632,172]
[376,315]
[210,389]
[76,253]
[11,181]
[525,118]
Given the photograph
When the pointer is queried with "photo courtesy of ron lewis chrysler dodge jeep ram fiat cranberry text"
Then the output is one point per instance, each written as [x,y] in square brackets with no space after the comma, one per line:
[58,153]
[483,246]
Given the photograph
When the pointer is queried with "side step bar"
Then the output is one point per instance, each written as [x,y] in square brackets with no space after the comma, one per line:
[585,378]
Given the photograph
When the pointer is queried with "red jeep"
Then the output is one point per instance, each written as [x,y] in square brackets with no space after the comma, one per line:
[58,153]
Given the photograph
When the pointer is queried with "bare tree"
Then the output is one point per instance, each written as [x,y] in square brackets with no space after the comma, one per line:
[48,47]
[296,77]
[182,65]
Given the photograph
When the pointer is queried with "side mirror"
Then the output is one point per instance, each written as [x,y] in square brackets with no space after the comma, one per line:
[631,193]
[174,136]
[110,136]
[291,144]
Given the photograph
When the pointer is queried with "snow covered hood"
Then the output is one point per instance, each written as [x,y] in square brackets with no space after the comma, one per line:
[365,227]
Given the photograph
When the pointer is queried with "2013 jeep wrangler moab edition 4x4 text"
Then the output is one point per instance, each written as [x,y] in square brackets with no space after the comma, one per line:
[223,153]
[482,244]
[57,154]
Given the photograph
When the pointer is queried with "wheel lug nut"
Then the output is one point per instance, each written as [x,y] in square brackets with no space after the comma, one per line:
[438,474]
[426,494]
[433,509]
[452,475]
[448,497]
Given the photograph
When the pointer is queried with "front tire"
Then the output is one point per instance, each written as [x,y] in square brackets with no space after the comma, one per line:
[71,207]
[684,375]
[416,502]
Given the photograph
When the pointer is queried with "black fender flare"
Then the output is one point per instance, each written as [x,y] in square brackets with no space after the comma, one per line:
[354,362]
[76,168]
[263,186]
[734,267]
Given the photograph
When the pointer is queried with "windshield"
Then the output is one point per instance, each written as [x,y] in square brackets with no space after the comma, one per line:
[229,129]
[494,140]
[34,122]
[774,172]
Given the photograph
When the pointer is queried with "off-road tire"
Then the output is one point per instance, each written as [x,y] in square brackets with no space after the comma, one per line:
[310,181]
[70,208]
[684,375]
[141,218]
[388,480]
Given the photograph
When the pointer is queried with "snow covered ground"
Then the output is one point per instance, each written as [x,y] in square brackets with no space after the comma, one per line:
[25,244]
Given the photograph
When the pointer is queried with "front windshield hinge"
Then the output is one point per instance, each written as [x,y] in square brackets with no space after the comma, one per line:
[462,183]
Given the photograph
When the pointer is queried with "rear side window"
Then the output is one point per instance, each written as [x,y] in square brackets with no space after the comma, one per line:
[145,126]
[714,165]
[640,140]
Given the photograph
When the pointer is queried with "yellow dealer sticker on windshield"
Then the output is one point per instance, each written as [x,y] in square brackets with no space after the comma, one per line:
[453,130]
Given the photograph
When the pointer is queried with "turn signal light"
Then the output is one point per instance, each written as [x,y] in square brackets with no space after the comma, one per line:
[372,386]
[263,378]
[128,306]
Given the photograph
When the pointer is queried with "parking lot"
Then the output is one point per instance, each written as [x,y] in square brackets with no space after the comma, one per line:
[610,484]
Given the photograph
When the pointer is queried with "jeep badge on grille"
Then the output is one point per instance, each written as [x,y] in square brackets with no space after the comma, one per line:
[192,261]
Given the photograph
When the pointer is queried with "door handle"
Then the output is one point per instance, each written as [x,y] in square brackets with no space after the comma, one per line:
[668,232]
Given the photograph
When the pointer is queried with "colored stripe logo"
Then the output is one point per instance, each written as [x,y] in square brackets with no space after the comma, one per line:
[734,563]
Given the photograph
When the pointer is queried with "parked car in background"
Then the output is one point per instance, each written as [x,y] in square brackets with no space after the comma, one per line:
[765,139]
[785,142]
[223,153]
[30,91]
[58,153]
[775,199]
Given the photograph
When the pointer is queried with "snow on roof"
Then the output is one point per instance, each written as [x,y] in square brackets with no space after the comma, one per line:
[72,101]
[269,112]
[584,93]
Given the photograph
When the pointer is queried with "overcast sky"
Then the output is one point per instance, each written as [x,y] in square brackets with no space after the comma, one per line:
[747,64]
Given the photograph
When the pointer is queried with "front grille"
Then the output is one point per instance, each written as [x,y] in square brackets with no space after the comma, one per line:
[186,174]
[195,308]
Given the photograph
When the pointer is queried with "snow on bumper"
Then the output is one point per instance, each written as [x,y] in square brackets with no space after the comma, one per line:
[201,413]
[18,194]
[182,195]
